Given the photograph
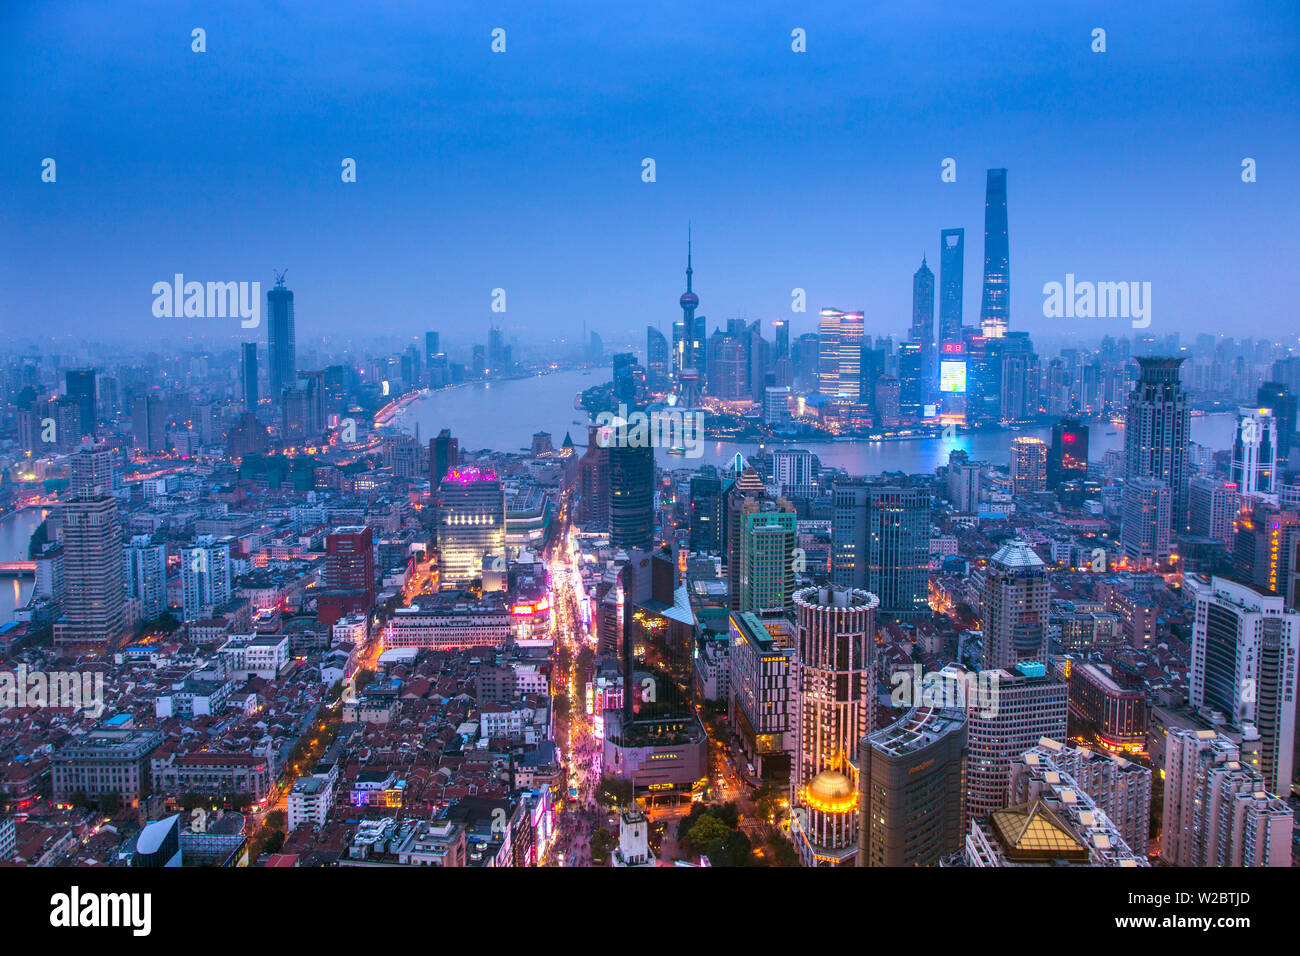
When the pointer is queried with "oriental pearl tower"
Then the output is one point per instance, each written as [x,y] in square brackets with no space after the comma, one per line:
[688,339]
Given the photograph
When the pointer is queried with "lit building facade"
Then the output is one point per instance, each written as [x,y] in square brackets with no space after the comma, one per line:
[834,680]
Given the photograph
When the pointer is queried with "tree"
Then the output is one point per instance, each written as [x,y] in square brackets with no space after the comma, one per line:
[709,836]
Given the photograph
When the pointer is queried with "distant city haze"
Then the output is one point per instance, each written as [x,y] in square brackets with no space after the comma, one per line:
[522,170]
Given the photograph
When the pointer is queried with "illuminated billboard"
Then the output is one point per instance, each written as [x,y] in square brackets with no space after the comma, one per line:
[952,376]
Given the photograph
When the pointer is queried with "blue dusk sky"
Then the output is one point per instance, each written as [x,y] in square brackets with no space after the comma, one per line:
[522,170]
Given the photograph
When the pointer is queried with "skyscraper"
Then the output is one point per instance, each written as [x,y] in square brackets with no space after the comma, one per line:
[898,548]
[913,789]
[782,340]
[1217,811]
[205,577]
[706,514]
[995,305]
[631,489]
[1145,521]
[81,389]
[282,355]
[94,597]
[1254,451]
[1281,401]
[657,358]
[146,576]
[1015,607]
[1157,431]
[922,331]
[471,525]
[1028,465]
[1030,705]
[767,538]
[834,678]
[952,257]
[828,353]
[248,375]
[348,581]
[444,454]
[849,500]
[1245,661]
[1068,458]
[911,380]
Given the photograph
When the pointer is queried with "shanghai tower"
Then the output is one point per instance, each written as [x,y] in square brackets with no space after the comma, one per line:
[281,356]
[952,246]
[995,308]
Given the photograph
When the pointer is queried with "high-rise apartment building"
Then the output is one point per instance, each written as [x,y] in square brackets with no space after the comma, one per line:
[1213,507]
[1245,662]
[1060,825]
[348,581]
[146,576]
[205,577]
[1120,788]
[1218,810]
[94,585]
[1145,521]
[1028,465]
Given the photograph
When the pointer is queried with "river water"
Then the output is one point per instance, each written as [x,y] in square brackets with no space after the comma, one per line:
[503,416]
[15,533]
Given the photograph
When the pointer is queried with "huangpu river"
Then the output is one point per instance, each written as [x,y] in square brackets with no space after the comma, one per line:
[503,415]
[15,534]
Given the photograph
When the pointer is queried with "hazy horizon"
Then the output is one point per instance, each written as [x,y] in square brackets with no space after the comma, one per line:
[522,170]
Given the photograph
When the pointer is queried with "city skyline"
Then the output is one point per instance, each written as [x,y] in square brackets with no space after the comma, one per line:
[586,437]
[467,181]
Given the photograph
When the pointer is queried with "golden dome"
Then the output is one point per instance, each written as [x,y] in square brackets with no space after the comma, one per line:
[831,787]
[830,792]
